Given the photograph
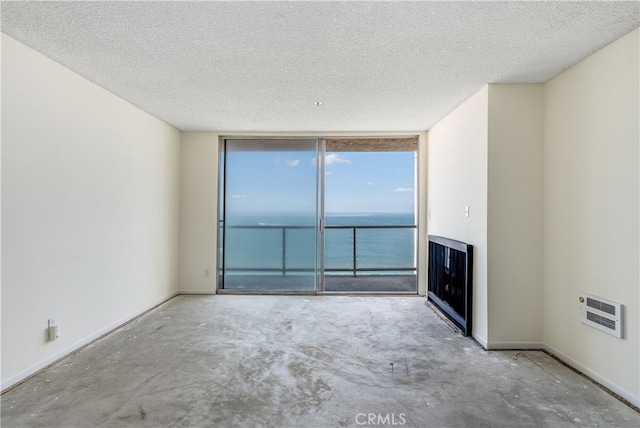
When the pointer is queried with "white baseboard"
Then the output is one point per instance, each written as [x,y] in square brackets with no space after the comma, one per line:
[514,345]
[634,400]
[31,371]
[481,340]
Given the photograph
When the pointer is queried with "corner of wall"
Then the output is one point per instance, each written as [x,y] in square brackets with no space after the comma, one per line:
[515,213]
[423,248]
[198,212]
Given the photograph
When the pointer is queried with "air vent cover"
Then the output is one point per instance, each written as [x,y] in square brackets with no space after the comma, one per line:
[602,314]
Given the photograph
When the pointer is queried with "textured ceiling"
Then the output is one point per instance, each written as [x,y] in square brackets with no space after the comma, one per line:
[260,66]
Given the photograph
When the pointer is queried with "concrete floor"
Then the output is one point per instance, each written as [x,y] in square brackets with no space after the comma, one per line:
[305,361]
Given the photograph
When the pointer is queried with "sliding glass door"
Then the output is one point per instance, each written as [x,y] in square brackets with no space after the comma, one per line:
[273,197]
[269,217]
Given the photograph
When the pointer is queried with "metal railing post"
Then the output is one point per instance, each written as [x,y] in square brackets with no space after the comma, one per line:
[354,251]
[284,251]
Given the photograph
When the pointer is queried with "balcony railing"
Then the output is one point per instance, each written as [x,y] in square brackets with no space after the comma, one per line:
[354,269]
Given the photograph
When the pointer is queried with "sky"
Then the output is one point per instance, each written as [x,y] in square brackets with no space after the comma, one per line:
[355,182]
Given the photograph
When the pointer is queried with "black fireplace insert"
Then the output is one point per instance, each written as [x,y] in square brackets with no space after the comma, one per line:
[450,280]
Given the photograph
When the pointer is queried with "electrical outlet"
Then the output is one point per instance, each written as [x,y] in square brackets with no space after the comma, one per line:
[207,273]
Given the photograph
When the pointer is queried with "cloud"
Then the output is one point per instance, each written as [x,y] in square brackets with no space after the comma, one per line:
[331,159]
[370,183]
[295,162]
[403,189]
[334,158]
[239,196]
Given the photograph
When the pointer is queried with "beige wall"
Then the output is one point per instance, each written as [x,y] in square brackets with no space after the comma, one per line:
[198,206]
[89,210]
[457,177]
[514,220]
[198,211]
[591,214]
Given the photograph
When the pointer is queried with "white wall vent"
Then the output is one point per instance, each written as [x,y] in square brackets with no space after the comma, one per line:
[602,314]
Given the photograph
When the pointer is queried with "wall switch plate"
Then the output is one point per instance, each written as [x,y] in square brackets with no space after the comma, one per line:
[207,273]
[53,329]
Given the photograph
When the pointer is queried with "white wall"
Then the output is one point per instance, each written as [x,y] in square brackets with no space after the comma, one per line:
[515,215]
[90,203]
[198,206]
[457,177]
[591,210]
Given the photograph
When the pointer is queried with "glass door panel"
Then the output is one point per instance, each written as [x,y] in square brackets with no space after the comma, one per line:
[371,221]
[270,204]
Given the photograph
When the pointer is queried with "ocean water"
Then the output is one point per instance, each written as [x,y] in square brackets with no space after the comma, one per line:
[270,243]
